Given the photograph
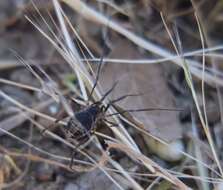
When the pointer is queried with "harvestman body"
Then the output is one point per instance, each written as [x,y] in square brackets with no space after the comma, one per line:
[84,123]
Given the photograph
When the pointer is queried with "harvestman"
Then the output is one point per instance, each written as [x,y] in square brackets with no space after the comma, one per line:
[85,122]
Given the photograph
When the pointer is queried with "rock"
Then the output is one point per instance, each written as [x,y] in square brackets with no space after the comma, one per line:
[169,153]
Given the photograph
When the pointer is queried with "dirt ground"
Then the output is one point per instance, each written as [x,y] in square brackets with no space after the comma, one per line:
[138,53]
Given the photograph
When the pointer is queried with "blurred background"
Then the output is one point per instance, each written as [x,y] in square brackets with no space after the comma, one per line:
[147,46]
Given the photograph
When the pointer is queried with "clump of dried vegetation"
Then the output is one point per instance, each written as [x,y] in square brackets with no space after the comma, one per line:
[165,129]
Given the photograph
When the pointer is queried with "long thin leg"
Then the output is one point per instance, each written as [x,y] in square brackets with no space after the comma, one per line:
[98,70]
[144,110]
[109,91]
[74,152]
[97,77]
[119,99]
[116,100]
[124,97]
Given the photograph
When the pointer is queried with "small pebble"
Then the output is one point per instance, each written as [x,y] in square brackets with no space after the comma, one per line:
[171,153]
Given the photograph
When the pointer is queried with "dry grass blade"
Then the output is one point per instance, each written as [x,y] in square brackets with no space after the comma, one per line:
[9,168]
[139,126]
[73,53]
[201,169]
[52,134]
[95,16]
[125,137]
[198,53]
[191,86]
[136,163]
[153,167]
[4,95]
[24,86]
